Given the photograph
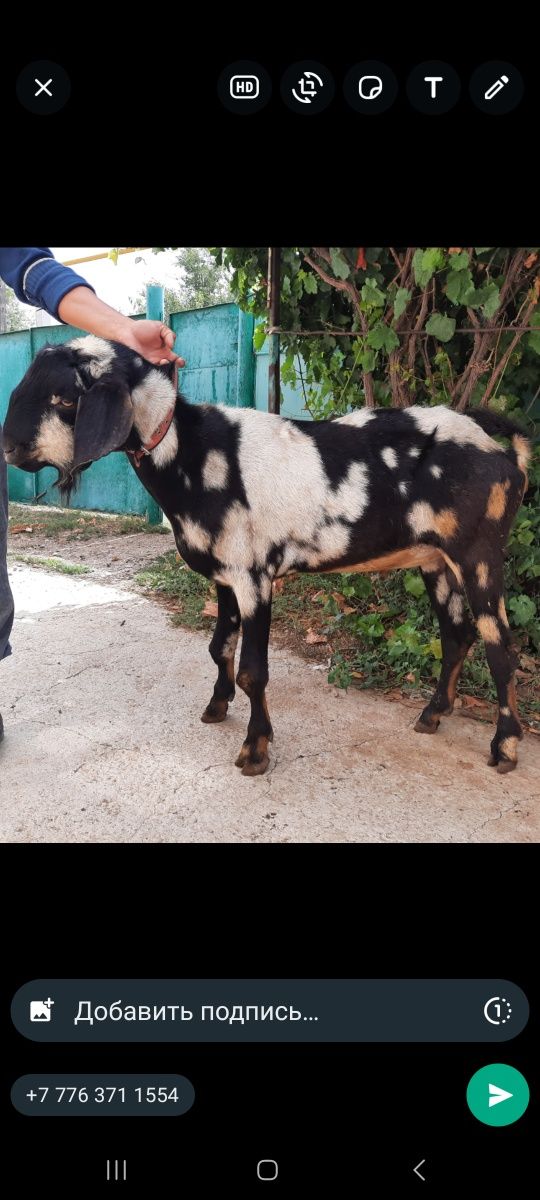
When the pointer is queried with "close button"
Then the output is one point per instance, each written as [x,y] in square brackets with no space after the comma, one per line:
[43,87]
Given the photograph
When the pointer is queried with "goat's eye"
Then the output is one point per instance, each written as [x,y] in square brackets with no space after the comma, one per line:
[57,400]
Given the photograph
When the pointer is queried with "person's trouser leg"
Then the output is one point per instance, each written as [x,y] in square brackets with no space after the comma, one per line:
[6,599]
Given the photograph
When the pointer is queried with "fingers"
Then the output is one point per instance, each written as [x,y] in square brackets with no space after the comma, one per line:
[167,336]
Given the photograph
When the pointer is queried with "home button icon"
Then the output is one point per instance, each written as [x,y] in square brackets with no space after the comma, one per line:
[267,1169]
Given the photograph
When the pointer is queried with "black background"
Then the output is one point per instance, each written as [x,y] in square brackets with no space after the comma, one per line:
[146,148]
[332,1115]
[144,153]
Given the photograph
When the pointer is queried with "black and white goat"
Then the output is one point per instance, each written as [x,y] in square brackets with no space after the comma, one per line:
[252,496]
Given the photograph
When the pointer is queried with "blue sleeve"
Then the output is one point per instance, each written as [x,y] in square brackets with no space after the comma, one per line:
[37,277]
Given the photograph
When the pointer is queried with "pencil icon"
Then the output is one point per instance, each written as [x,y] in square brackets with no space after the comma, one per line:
[495,87]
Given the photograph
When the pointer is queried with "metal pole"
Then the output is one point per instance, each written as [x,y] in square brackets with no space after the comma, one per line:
[155,311]
[155,302]
[274,283]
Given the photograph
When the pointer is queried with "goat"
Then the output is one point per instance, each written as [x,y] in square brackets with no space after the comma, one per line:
[251,497]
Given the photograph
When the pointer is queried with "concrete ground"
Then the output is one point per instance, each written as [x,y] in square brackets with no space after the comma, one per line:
[102,702]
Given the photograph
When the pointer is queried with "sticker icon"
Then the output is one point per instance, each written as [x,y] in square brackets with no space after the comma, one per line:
[40,1010]
[370,86]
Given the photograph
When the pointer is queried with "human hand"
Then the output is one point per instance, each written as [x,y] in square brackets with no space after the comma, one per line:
[152,339]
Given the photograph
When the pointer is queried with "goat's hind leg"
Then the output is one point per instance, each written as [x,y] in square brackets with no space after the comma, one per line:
[484,585]
[457,636]
[222,649]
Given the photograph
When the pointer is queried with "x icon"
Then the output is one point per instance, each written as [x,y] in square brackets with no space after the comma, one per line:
[43,87]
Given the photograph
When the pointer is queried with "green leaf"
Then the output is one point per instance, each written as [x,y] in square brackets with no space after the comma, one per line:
[286,285]
[414,584]
[435,647]
[482,249]
[340,266]
[523,609]
[441,327]
[459,286]
[425,263]
[534,341]
[401,301]
[457,262]
[382,337]
[490,306]
[310,284]
[371,294]
[368,360]
[486,298]
[259,337]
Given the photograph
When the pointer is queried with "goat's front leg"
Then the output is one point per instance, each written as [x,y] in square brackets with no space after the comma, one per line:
[252,678]
[223,648]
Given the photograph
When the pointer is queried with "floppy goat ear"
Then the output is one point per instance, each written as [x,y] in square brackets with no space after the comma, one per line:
[104,420]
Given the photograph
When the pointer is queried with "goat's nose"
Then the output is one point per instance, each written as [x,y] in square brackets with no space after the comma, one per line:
[6,444]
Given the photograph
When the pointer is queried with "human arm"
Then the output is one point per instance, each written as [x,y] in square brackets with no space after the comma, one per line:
[38,278]
[152,339]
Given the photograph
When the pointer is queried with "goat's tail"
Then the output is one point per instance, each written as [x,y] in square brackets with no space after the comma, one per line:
[493,422]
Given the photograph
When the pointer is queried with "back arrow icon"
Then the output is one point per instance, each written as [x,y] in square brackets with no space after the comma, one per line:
[416,1170]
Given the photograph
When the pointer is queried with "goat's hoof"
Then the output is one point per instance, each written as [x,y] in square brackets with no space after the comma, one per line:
[243,756]
[216,711]
[252,767]
[253,758]
[429,726]
[505,765]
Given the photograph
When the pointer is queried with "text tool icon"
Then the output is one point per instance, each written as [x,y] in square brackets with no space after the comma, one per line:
[433,88]
[40,1010]
[433,80]
[370,86]
[496,87]
[244,87]
[306,86]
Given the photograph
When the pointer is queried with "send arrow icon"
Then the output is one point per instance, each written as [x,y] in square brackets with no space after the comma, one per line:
[485,1098]
[497,1095]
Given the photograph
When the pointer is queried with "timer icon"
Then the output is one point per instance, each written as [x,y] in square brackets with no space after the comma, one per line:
[497,1010]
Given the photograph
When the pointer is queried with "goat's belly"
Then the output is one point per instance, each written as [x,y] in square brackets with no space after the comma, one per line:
[430,558]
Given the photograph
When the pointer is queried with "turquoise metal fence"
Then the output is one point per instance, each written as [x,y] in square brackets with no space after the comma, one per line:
[292,399]
[217,344]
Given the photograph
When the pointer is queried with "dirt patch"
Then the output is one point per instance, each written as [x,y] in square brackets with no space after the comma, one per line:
[112,547]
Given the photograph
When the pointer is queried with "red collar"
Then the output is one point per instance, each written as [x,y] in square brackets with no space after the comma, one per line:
[156,438]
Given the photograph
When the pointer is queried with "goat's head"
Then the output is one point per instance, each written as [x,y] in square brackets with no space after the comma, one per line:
[72,407]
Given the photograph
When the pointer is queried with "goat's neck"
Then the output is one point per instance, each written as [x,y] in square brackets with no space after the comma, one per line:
[152,400]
